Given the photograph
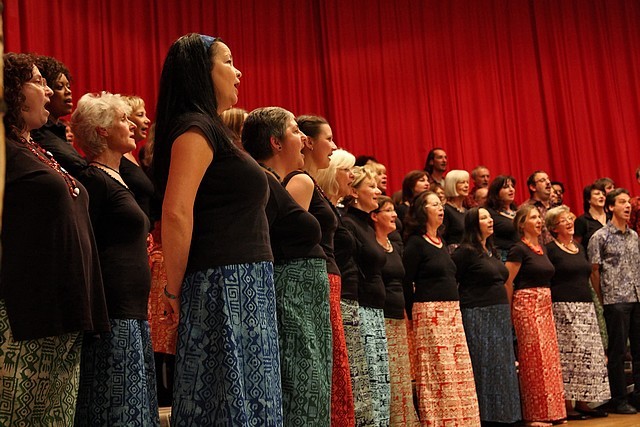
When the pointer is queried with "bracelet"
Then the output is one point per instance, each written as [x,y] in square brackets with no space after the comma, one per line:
[168,295]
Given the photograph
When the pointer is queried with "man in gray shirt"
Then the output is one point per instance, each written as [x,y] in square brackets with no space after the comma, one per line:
[614,253]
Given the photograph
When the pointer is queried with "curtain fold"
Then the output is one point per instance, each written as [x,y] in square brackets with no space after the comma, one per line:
[516,85]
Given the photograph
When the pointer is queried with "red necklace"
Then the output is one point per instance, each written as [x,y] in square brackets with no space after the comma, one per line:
[437,241]
[536,249]
[47,158]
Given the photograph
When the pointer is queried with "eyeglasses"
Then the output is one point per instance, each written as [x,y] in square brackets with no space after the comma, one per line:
[387,210]
[39,81]
[434,205]
[566,221]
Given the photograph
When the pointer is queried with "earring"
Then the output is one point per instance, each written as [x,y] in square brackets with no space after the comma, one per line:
[355,201]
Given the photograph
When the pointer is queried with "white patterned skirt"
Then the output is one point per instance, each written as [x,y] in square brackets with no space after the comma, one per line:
[584,368]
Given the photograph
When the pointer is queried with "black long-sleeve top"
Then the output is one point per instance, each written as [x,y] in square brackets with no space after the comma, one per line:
[430,273]
[393,275]
[369,258]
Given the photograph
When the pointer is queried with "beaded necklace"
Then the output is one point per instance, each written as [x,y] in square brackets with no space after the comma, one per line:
[47,158]
[388,247]
[437,241]
[535,249]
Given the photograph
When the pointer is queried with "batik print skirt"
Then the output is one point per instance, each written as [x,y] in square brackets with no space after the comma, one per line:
[402,411]
[541,388]
[446,387]
[582,357]
[38,378]
[227,358]
[117,377]
[304,330]
[342,412]
[164,331]
[490,340]
[374,338]
[358,365]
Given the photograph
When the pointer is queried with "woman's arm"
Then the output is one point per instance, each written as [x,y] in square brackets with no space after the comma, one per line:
[301,188]
[514,268]
[191,154]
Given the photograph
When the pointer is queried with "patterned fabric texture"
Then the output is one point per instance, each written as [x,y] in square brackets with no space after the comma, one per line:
[38,378]
[342,412]
[304,331]
[227,359]
[358,365]
[584,369]
[446,388]
[164,332]
[541,389]
[401,411]
[600,315]
[117,378]
[374,339]
[490,341]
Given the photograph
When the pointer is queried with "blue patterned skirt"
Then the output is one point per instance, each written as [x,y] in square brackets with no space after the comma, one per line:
[374,338]
[117,377]
[227,361]
[304,330]
[490,339]
[358,365]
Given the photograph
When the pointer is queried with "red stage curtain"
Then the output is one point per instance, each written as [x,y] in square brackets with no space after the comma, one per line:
[516,85]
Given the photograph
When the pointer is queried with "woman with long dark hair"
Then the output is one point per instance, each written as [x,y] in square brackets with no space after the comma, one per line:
[445,384]
[216,244]
[487,319]
[502,207]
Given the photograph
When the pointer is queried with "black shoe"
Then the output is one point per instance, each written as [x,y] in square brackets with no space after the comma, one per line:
[593,413]
[623,408]
[577,416]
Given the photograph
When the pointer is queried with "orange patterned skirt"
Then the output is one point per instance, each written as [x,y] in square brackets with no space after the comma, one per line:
[541,387]
[446,386]
[342,410]
[164,332]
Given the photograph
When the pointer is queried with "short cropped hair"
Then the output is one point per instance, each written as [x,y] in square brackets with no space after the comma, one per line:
[262,124]
[96,110]
[326,178]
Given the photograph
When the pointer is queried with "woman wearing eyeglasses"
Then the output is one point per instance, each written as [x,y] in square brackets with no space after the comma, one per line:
[402,410]
[445,383]
[584,368]
[51,288]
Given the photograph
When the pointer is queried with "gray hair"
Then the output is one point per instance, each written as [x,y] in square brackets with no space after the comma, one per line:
[453,178]
[96,110]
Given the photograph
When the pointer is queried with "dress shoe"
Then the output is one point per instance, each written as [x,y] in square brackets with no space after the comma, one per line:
[577,416]
[623,408]
[593,413]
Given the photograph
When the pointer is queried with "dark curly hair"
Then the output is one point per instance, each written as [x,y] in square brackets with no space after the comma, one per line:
[416,220]
[18,69]
[51,68]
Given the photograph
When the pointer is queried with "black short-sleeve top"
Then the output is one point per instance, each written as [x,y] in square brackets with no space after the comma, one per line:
[570,283]
[585,226]
[430,273]
[50,277]
[121,229]
[320,207]
[393,276]
[229,220]
[140,185]
[453,225]
[295,233]
[369,258]
[480,278]
[535,271]
[505,234]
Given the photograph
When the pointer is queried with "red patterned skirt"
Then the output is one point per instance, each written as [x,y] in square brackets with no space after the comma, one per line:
[446,387]
[402,411]
[164,332]
[541,387]
[342,410]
